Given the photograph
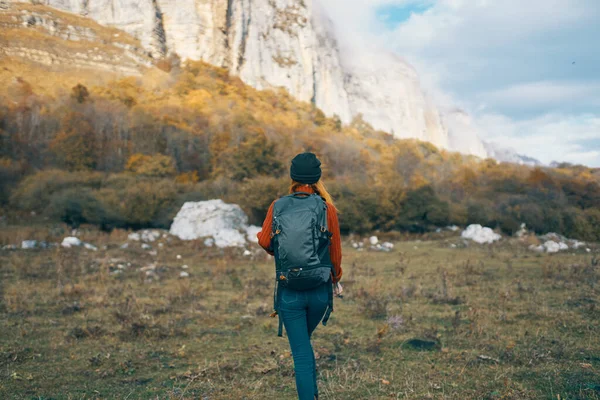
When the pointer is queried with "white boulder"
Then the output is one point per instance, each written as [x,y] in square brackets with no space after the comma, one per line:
[480,234]
[551,247]
[373,240]
[225,223]
[251,232]
[134,236]
[145,235]
[538,249]
[71,241]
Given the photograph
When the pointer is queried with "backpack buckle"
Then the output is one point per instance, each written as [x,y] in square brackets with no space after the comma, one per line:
[323,229]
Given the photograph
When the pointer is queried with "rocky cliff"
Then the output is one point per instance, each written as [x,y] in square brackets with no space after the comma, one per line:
[57,39]
[281,43]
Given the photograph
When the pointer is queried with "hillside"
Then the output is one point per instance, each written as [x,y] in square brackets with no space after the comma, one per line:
[290,44]
[128,151]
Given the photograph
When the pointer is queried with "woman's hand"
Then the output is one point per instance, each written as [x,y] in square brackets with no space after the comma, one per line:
[338,289]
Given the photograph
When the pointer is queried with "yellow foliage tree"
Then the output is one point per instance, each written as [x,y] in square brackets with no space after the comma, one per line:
[156,165]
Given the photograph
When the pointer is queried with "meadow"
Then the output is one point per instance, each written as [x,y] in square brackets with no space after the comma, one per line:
[432,319]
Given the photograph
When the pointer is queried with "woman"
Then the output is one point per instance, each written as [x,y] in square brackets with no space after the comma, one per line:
[301,311]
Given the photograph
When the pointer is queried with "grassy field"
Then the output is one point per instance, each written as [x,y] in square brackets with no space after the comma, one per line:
[426,321]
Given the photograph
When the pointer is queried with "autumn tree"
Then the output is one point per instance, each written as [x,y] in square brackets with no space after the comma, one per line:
[80,93]
[155,165]
[75,146]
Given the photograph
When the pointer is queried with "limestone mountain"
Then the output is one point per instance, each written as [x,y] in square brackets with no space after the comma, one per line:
[282,43]
[62,42]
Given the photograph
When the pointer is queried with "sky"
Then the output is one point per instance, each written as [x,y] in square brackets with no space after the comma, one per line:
[528,72]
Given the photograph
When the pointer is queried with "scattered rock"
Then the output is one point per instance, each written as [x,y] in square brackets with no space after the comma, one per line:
[488,358]
[209,242]
[452,228]
[480,234]
[373,240]
[125,246]
[184,274]
[247,253]
[551,247]
[554,243]
[522,231]
[9,247]
[385,247]
[134,236]
[29,244]
[90,247]
[178,256]
[146,246]
[149,267]
[146,235]
[539,249]
[71,241]
[184,267]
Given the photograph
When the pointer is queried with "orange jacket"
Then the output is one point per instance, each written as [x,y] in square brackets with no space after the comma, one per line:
[335,249]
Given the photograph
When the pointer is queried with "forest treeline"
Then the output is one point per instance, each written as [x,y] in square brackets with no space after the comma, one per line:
[129,154]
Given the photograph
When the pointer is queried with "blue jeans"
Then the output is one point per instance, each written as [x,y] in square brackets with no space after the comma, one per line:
[301,312]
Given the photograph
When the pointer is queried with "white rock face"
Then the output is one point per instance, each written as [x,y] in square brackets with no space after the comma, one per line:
[480,234]
[289,44]
[385,90]
[463,134]
[223,224]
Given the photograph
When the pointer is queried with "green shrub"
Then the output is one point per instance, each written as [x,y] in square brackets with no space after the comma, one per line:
[35,191]
[423,209]
[140,203]
[357,206]
[10,173]
[255,196]
[76,206]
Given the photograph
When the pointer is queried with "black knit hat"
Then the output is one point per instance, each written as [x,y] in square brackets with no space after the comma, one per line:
[306,168]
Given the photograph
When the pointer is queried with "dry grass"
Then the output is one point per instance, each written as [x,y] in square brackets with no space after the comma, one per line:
[422,322]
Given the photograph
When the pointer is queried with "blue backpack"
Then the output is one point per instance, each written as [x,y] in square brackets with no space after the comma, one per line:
[300,242]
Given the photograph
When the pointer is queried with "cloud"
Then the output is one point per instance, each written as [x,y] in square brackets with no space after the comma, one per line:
[550,137]
[530,62]
[545,94]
